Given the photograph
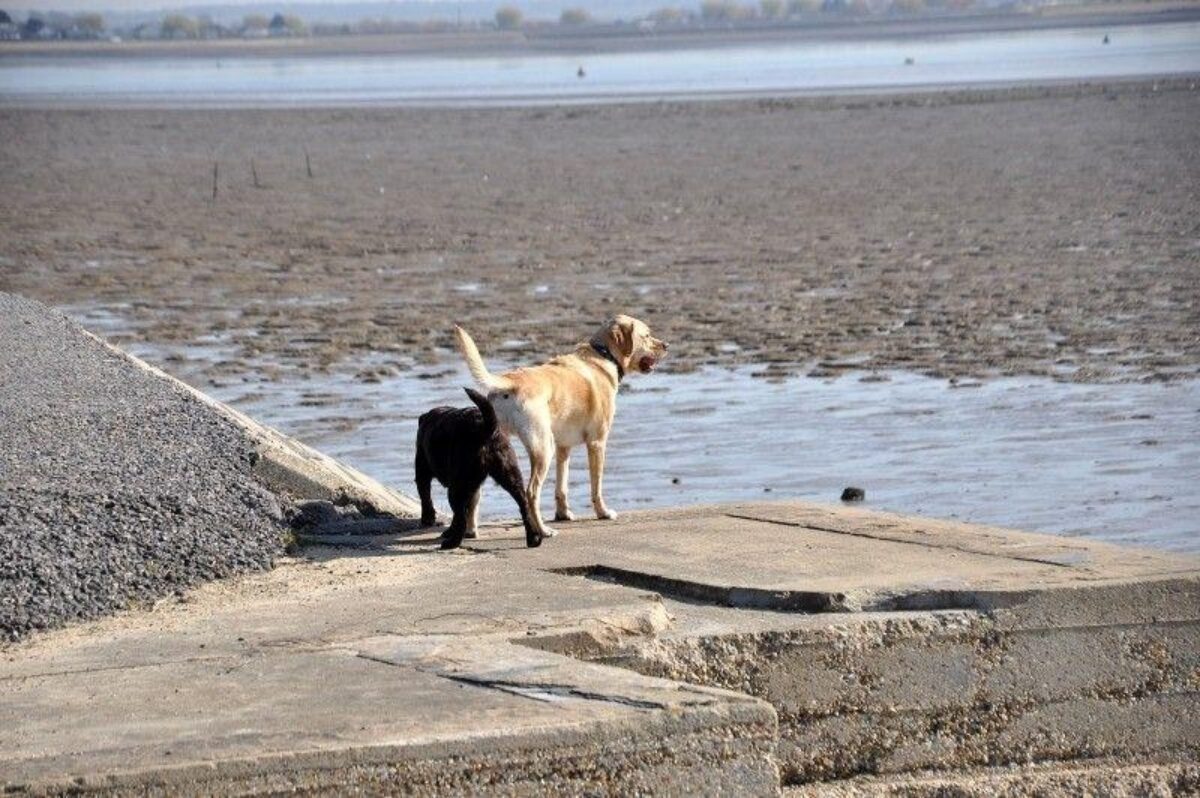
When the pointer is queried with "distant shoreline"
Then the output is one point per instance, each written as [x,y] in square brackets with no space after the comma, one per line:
[535,42]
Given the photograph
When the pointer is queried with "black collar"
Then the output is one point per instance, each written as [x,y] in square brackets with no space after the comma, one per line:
[607,354]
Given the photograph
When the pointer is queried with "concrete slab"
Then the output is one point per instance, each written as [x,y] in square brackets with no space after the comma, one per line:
[793,556]
[367,669]
[707,650]
[926,643]
[309,718]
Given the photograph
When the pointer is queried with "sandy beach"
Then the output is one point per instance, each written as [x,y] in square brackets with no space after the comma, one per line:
[1046,231]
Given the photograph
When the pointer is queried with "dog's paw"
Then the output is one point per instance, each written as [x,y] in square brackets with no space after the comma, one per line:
[430,520]
[449,543]
[548,532]
[564,515]
[471,534]
[607,515]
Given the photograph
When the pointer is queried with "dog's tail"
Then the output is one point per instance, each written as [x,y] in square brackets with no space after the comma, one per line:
[486,379]
[485,407]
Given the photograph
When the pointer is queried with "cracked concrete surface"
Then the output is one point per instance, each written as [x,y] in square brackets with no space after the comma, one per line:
[506,669]
[334,670]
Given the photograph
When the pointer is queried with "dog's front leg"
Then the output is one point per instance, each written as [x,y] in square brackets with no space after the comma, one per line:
[562,509]
[596,469]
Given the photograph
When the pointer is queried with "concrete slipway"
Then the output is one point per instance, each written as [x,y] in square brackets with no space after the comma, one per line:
[737,649]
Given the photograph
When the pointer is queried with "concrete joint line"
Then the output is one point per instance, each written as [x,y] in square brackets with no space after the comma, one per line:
[718,595]
[545,692]
[923,544]
[550,692]
[799,601]
[111,668]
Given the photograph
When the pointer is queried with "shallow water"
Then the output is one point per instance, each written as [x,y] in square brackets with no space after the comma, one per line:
[1117,462]
[795,67]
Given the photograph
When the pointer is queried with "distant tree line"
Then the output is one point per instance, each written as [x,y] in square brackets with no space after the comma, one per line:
[252,26]
[722,13]
[732,11]
[52,25]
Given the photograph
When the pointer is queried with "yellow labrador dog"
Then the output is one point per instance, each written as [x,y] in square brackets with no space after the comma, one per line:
[565,402]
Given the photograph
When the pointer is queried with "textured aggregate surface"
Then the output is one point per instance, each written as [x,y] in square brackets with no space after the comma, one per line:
[115,487]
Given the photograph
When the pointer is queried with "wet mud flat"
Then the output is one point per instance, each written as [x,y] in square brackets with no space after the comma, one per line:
[1046,231]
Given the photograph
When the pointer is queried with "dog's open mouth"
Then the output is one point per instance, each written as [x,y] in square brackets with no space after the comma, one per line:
[647,364]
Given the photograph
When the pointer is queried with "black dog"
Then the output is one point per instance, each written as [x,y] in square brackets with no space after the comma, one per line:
[462,447]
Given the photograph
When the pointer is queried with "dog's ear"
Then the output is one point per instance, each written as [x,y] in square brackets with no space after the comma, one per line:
[620,336]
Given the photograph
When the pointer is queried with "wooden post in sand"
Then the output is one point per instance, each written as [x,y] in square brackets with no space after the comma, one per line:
[307,163]
[214,196]
[254,172]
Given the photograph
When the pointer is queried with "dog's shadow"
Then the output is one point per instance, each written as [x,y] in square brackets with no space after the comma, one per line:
[347,533]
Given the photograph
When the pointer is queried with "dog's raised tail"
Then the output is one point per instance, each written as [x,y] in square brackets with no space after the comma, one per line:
[486,379]
[485,407]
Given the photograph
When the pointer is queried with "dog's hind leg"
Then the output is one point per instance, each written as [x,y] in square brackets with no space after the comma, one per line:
[596,470]
[460,499]
[507,475]
[539,443]
[562,509]
[424,480]
[473,514]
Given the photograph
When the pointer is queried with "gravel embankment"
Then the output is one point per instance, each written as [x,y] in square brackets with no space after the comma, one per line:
[115,486]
